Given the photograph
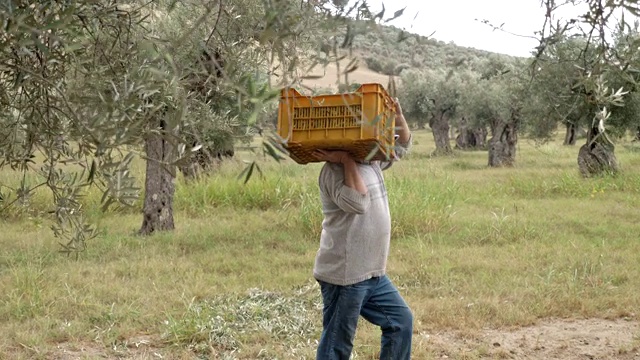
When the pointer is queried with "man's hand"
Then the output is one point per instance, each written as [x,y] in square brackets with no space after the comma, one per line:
[340,157]
[402,128]
[399,115]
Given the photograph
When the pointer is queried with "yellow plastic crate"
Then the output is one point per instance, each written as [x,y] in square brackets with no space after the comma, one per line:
[361,122]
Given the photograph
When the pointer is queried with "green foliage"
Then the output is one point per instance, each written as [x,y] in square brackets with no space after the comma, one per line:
[592,71]
[430,93]
[490,99]
[85,85]
[374,64]
[71,89]
[556,95]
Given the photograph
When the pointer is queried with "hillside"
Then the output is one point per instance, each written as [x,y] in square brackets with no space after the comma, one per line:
[329,73]
[390,50]
[387,50]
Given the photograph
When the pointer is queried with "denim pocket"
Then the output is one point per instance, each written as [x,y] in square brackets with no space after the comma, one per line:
[330,293]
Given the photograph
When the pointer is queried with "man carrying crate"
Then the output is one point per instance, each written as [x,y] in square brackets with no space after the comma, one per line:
[351,262]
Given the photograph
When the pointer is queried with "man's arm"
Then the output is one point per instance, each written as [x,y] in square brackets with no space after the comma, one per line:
[352,176]
[403,136]
[402,128]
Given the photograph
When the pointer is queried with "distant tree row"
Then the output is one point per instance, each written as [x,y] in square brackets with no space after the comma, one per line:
[580,78]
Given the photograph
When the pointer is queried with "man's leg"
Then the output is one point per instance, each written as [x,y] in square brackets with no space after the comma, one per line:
[340,315]
[387,309]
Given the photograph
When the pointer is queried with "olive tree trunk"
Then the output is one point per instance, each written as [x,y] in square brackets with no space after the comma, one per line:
[159,182]
[470,138]
[439,124]
[502,145]
[597,156]
[571,134]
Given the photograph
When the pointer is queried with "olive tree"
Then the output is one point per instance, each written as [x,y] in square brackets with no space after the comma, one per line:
[432,97]
[67,106]
[555,97]
[495,101]
[596,62]
[85,87]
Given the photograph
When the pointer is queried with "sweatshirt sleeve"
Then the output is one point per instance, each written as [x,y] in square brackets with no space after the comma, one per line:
[332,185]
[401,150]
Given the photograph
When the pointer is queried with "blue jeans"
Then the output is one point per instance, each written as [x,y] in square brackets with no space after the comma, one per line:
[380,303]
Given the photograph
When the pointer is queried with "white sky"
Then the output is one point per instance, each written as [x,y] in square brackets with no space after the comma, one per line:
[459,21]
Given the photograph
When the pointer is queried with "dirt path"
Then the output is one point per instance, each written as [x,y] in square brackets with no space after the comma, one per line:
[590,339]
[550,340]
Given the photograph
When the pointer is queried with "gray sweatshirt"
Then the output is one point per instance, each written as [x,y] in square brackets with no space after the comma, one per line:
[356,229]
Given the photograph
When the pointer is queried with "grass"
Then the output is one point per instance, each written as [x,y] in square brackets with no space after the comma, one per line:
[472,247]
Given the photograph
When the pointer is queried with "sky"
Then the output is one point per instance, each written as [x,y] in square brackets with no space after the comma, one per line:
[459,21]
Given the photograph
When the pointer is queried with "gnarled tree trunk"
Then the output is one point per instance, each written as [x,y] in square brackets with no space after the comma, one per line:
[471,138]
[502,145]
[571,134]
[439,124]
[597,156]
[159,182]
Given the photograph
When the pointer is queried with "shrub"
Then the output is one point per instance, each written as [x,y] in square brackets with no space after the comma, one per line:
[374,64]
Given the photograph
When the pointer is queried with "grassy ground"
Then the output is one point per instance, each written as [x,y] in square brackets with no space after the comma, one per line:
[472,248]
